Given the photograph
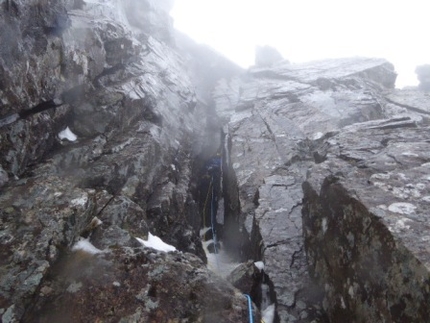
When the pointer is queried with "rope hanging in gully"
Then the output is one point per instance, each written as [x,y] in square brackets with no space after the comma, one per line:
[213,223]
[206,203]
[213,215]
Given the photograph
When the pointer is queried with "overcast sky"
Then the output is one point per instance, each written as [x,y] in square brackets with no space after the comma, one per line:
[304,30]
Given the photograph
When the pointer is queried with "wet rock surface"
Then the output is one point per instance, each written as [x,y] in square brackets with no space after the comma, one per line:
[325,176]
[127,98]
[365,223]
[278,128]
[310,123]
[136,285]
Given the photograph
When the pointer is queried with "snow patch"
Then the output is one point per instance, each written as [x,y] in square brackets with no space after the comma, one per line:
[80,201]
[402,208]
[67,134]
[402,176]
[401,224]
[382,207]
[156,243]
[259,265]
[317,136]
[86,246]
[268,314]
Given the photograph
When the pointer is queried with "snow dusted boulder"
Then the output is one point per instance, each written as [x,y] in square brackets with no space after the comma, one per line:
[365,222]
[281,116]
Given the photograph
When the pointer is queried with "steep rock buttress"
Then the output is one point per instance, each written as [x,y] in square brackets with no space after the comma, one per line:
[108,72]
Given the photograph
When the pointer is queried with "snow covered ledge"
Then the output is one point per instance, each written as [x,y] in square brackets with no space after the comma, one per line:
[156,243]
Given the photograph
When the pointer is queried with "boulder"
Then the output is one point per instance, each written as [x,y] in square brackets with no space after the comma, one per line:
[364,223]
[281,128]
[423,73]
[267,56]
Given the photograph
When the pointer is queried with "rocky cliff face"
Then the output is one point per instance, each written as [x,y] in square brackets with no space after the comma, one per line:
[325,176]
[328,151]
[109,72]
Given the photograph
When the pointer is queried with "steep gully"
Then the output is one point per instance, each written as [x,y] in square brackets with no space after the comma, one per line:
[224,238]
[226,242]
[238,245]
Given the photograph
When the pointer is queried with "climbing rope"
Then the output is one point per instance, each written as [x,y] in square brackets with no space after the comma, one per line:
[251,318]
[213,227]
[211,194]
[206,203]
[212,219]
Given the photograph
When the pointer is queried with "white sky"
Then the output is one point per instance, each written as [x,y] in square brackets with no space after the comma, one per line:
[304,30]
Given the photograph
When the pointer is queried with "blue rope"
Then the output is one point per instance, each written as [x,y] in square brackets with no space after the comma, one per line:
[212,219]
[251,319]
[213,226]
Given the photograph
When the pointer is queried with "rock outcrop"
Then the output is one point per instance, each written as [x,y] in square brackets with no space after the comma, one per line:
[365,222]
[267,56]
[115,80]
[105,127]
[423,73]
[359,149]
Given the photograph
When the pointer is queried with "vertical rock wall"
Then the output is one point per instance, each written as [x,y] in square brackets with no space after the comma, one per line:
[329,152]
[286,124]
[365,223]
[109,71]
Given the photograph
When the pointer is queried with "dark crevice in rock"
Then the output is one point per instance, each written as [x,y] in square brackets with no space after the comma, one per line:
[47,105]
[263,292]
[219,182]
[236,238]
[251,244]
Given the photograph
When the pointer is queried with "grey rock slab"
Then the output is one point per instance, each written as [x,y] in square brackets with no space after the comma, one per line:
[365,223]
[39,218]
[373,69]
[284,120]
